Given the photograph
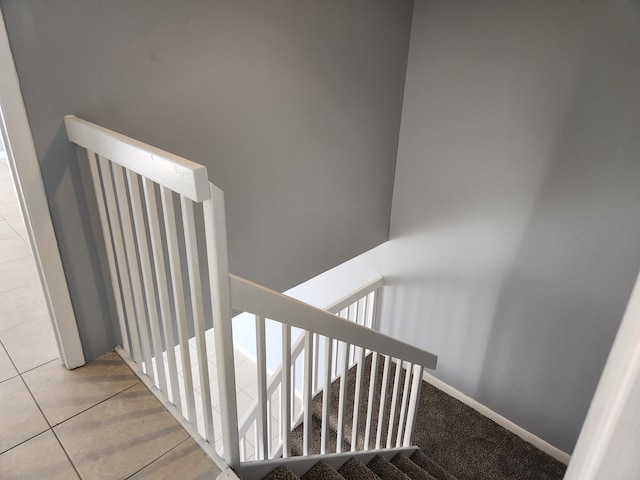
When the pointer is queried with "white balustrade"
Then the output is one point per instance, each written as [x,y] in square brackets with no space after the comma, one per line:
[163,227]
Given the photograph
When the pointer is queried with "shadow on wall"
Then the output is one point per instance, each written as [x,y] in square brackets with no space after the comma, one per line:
[564,297]
[514,225]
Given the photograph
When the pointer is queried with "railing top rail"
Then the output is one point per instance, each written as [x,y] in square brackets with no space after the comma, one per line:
[253,298]
[176,173]
[350,298]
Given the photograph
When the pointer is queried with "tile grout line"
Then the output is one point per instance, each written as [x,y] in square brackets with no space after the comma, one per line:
[50,429]
[66,454]
[11,360]
[39,317]
[99,403]
[156,459]
[41,413]
[57,359]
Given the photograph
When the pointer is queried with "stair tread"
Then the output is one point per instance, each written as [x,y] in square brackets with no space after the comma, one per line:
[429,465]
[385,469]
[354,469]
[334,398]
[297,436]
[281,473]
[322,471]
[410,468]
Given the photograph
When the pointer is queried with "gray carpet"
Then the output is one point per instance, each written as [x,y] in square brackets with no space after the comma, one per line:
[456,442]
[470,446]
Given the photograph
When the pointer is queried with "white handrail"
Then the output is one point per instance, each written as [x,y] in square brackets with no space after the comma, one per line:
[350,298]
[253,298]
[176,173]
[299,346]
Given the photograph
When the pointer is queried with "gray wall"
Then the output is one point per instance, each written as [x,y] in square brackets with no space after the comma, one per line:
[515,233]
[294,107]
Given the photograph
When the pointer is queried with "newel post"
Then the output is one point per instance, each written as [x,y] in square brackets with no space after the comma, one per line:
[216,238]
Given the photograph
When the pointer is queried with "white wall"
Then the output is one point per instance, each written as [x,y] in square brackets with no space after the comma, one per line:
[515,228]
[293,106]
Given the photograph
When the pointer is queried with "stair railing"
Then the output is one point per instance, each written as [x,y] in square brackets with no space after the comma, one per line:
[360,307]
[396,421]
[164,231]
[154,209]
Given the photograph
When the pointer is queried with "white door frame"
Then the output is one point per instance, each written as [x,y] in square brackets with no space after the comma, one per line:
[25,169]
[609,442]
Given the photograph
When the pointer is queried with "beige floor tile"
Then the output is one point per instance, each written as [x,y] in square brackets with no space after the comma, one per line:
[246,374]
[61,393]
[5,230]
[20,418]
[120,436]
[21,305]
[18,273]
[31,344]
[187,462]
[7,191]
[12,248]
[52,463]
[7,370]
[10,210]
[18,225]
[6,188]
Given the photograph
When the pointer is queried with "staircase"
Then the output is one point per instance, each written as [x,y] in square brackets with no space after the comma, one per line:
[453,442]
[347,396]
[400,467]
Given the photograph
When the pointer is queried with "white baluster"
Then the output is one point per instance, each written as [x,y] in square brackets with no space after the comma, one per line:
[195,283]
[285,397]
[403,407]
[413,404]
[307,395]
[394,402]
[122,202]
[344,358]
[262,445]
[108,233]
[372,391]
[177,286]
[383,398]
[163,291]
[326,401]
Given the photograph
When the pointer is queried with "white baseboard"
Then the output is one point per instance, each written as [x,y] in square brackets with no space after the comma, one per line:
[527,436]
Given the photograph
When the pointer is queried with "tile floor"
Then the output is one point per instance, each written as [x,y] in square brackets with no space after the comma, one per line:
[246,392]
[95,422]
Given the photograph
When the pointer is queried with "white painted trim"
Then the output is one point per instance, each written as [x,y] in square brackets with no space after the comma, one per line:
[527,436]
[25,169]
[257,299]
[356,295]
[228,474]
[183,176]
[609,442]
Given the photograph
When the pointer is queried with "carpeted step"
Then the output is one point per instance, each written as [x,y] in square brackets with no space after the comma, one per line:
[409,468]
[354,469]
[322,471]
[281,473]
[427,464]
[385,469]
[334,399]
[297,436]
